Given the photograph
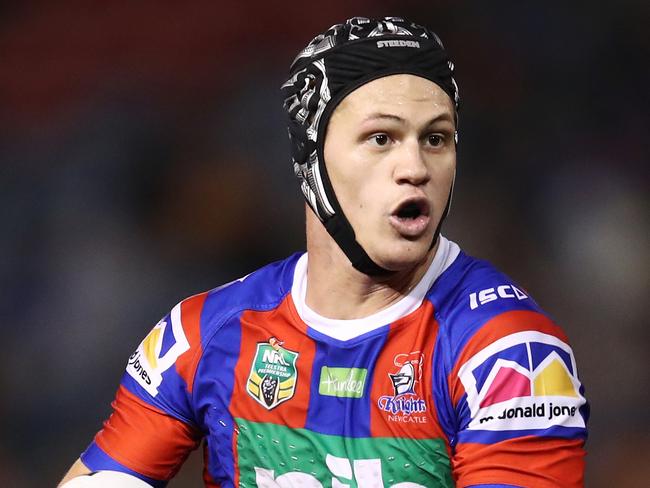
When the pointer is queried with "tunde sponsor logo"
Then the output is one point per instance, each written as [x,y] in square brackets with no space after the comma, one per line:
[342,382]
[490,294]
[397,43]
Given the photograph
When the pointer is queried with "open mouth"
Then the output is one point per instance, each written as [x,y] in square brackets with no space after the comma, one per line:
[412,209]
[411,218]
[409,211]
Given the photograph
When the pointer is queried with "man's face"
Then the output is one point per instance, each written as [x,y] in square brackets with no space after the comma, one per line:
[391,157]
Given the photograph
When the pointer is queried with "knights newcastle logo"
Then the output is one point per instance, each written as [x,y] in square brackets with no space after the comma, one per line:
[273,375]
[405,404]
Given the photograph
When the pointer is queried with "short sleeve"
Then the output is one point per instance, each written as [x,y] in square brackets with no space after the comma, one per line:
[520,408]
[153,427]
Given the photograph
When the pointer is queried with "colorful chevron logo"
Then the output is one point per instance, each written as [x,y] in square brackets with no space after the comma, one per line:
[526,380]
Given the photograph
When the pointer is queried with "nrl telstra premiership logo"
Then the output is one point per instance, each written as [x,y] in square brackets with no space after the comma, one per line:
[405,405]
[273,375]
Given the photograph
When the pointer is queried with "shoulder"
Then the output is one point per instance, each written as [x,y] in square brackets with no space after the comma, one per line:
[181,337]
[474,288]
[472,297]
[502,351]
[261,290]
[487,321]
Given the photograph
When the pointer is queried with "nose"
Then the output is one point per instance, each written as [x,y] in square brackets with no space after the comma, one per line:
[410,165]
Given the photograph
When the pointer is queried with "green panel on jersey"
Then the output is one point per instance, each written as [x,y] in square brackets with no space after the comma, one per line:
[275,456]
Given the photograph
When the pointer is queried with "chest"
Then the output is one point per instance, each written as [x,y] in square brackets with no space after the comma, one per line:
[303,410]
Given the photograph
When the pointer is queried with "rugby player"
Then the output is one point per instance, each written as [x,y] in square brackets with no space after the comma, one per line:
[382,357]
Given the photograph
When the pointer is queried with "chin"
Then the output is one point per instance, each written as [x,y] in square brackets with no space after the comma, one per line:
[402,256]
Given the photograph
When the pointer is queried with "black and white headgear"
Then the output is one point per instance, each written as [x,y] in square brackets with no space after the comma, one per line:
[333,65]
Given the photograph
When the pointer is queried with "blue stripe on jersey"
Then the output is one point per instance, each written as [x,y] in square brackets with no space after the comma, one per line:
[446,414]
[349,417]
[212,394]
[492,436]
[96,459]
[221,313]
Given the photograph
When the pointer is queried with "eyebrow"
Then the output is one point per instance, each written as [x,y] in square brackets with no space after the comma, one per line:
[445,116]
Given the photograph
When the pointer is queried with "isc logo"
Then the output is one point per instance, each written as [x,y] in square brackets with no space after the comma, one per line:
[491,294]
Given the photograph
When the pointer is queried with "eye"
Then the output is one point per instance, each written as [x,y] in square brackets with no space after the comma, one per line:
[435,140]
[379,139]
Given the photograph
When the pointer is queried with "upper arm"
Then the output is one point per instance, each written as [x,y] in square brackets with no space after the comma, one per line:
[519,405]
[153,426]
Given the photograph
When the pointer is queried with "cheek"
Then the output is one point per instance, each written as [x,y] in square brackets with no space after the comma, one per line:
[348,178]
[354,196]
[444,172]
[359,198]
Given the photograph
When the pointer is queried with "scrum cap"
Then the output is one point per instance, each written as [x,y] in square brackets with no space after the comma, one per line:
[333,65]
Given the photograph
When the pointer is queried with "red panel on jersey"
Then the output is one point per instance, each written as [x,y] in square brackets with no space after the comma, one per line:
[145,439]
[259,328]
[524,461]
[408,350]
[191,318]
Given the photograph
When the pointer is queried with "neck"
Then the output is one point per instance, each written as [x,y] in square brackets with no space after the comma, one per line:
[336,290]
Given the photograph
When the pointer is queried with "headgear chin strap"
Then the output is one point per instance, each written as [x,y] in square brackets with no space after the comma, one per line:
[332,66]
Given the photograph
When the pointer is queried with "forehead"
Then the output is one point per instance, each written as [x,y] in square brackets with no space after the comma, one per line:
[397,93]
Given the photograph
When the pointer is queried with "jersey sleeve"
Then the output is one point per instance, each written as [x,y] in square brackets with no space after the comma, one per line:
[520,411]
[154,427]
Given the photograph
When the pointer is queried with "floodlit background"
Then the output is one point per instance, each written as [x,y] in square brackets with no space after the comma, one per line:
[143,158]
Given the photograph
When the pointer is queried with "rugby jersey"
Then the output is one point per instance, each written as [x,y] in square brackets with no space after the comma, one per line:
[463,382]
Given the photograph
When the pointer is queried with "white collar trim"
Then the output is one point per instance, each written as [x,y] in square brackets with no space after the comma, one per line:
[344,330]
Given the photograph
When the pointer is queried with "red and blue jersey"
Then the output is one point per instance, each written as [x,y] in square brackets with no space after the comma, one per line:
[464,382]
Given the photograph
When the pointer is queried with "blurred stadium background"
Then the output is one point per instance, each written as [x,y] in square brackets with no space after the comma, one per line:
[143,158]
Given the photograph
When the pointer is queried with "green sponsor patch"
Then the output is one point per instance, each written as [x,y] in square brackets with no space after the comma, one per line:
[275,456]
[342,382]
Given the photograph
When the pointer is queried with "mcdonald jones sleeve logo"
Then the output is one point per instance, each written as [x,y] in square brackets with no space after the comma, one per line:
[527,380]
[147,364]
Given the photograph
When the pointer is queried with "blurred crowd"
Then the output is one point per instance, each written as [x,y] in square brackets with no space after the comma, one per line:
[144,158]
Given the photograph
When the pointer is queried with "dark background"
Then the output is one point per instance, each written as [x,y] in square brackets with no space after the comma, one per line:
[143,158]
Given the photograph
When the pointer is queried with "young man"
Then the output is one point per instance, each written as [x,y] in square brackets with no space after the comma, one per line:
[384,356]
